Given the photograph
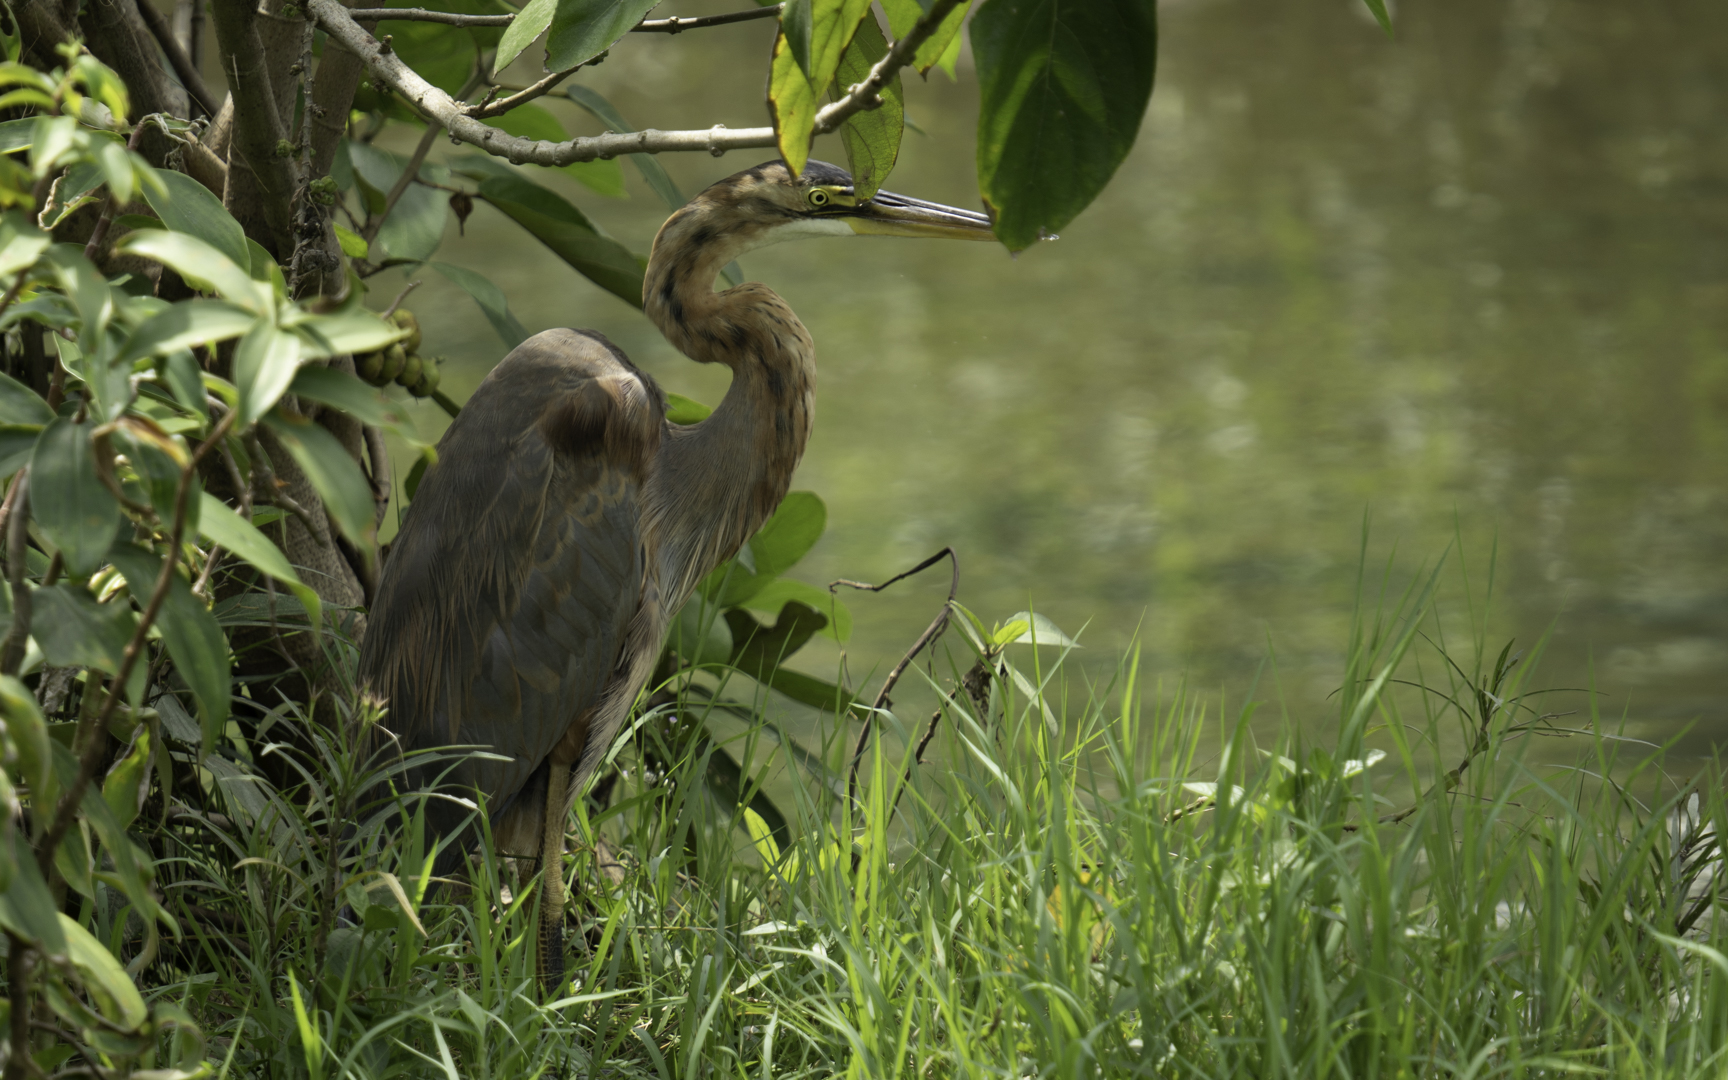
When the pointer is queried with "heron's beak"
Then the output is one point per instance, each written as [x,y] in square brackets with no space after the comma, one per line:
[888,214]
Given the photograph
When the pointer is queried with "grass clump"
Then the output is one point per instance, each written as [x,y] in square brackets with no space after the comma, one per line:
[1108,881]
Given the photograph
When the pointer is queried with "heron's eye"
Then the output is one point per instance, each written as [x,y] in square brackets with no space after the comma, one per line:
[818,198]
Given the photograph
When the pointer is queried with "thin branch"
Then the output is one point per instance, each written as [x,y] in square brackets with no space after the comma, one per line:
[673,25]
[388,70]
[182,64]
[409,172]
[930,634]
[540,89]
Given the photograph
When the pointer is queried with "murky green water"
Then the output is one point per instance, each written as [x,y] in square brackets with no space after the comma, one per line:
[1473,280]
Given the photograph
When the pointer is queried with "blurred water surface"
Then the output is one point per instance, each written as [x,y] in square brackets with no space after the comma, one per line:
[1472,283]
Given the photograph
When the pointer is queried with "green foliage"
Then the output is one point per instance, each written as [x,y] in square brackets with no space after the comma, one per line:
[1063,85]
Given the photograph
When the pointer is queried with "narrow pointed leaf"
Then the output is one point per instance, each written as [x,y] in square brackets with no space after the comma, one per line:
[188,323]
[221,525]
[202,266]
[491,299]
[529,24]
[367,404]
[264,365]
[21,405]
[75,631]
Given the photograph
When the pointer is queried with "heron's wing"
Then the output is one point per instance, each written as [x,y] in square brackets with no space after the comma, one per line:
[503,607]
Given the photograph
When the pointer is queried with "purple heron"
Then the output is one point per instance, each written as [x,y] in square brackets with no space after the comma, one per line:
[526,598]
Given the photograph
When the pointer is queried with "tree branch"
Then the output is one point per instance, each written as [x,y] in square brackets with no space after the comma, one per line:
[388,70]
[540,89]
[673,25]
[183,66]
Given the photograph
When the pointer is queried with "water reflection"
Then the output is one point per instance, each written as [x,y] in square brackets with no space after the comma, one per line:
[1473,281]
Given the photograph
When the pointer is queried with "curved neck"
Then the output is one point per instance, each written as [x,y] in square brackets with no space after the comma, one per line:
[717,481]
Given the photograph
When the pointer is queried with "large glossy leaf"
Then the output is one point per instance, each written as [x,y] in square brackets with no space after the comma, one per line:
[187,206]
[1063,87]
[21,242]
[221,525]
[28,731]
[264,364]
[354,330]
[20,405]
[75,631]
[74,510]
[604,175]
[195,642]
[491,299]
[17,442]
[793,88]
[333,473]
[569,233]
[583,29]
[871,137]
[415,226]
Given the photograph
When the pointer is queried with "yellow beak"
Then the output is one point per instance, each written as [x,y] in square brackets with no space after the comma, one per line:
[888,214]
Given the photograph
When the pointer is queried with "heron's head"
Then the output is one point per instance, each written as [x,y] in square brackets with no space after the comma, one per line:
[768,204]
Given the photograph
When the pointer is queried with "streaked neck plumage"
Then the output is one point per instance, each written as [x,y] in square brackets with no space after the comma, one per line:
[717,481]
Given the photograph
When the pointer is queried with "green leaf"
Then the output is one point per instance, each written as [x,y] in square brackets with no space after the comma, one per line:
[776,594]
[1378,7]
[941,47]
[107,982]
[353,244]
[350,330]
[121,788]
[1063,87]
[188,323]
[343,391]
[159,471]
[75,511]
[75,631]
[871,137]
[776,548]
[221,525]
[583,29]
[27,730]
[683,410]
[647,164]
[187,206]
[758,650]
[21,242]
[795,20]
[27,908]
[15,134]
[201,265]
[529,24]
[605,176]
[335,476]
[793,87]
[569,233]
[416,223]
[491,299]
[699,635]
[194,640]
[20,405]
[17,442]
[264,365]
[1030,628]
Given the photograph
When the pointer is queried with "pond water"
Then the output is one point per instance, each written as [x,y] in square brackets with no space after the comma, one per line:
[1471,284]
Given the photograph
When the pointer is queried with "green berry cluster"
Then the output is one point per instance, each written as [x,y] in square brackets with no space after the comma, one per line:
[401,363]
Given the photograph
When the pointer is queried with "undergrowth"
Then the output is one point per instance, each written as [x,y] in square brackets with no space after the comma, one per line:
[1083,880]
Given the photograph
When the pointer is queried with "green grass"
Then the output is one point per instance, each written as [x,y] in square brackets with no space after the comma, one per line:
[1129,884]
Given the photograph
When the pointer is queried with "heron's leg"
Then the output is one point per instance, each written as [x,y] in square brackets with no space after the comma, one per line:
[552,880]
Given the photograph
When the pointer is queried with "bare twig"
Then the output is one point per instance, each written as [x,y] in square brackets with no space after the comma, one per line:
[401,296]
[93,729]
[388,69]
[646,26]
[540,89]
[182,63]
[930,634]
